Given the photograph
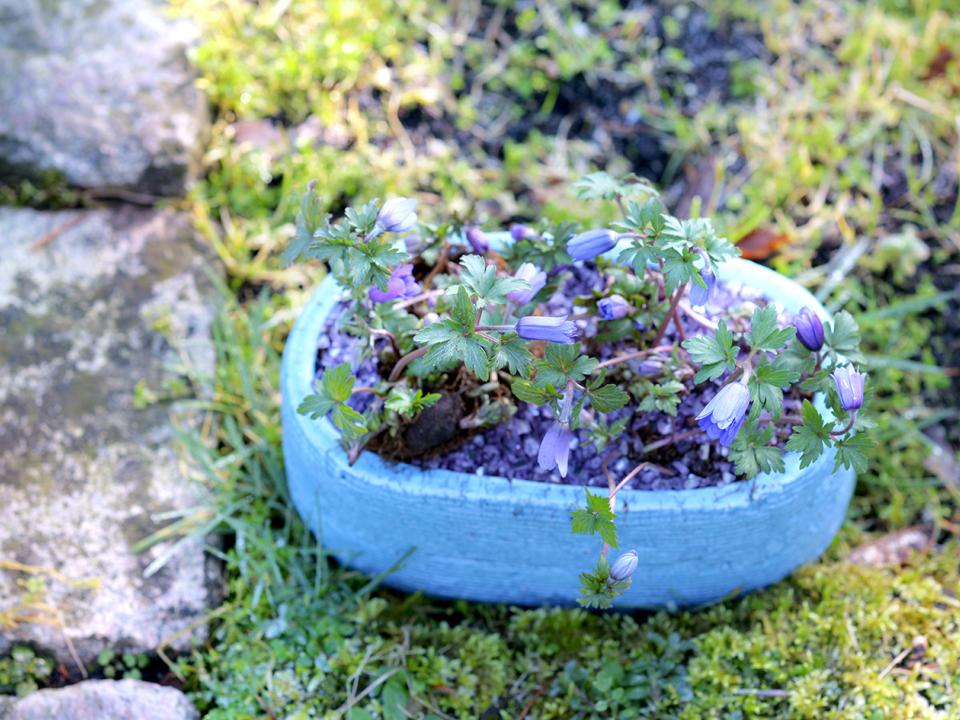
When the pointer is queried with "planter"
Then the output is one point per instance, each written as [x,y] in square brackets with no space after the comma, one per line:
[491,539]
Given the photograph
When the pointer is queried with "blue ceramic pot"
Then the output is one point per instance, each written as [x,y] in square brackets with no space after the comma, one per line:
[498,540]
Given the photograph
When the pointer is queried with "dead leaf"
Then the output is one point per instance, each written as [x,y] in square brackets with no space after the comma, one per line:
[896,548]
[762,243]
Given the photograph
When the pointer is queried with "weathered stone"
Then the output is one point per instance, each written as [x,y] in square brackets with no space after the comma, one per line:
[103,700]
[111,301]
[100,91]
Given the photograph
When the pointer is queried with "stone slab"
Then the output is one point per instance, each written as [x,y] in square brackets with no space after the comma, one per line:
[115,299]
[103,700]
[100,91]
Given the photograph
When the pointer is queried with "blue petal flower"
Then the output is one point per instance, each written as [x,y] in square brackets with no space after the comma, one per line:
[397,215]
[701,295]
[723,416]
[809,329]
[552,329]
[400,285]
[613,307]
[850,387]
[555,448]
[534,277]
[587,245]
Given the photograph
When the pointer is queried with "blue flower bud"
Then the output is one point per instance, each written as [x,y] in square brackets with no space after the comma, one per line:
[809,329]
[522,232]
[555,448]
[624,566]
[478,240]
[613,307]
[701,295]
[722,417]
[587,245]
[552,329]
[397,215]
[534,277]
[850,387]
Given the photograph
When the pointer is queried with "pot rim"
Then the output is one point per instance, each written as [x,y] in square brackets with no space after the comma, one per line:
[299,369]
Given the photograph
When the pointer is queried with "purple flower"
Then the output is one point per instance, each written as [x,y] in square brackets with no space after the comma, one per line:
[849,387]
[809,329]
[613,307]
[534,277]
[587,245]
[624,566]
[397,215]
[400,285]
[478,240]
[522,232]
[555,448]
[722,417]
[701,295]
[552,329]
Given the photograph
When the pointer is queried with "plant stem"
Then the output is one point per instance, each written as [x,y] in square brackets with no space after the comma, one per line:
[419,298]
[406,360]
[841,433]
[495,328]
[669,316]
[364,389]
[635,355]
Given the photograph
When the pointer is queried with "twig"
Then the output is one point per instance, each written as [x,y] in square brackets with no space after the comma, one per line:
[893,663]
[57,232]
[670,313]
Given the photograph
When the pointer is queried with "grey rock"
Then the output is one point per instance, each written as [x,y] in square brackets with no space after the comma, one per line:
[103,700]
[111,301]
[101,92]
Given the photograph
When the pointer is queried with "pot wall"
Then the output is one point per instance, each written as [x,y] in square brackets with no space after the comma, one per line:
[493,539]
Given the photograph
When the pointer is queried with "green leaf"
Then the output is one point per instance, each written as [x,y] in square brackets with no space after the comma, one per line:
[752,454]
[463,312]
[663,396]
[764,333]
[601,186]
[439,332]
[852,453]
[348,421]
[338,382]
[596,518]
[562,363]
[679,267]
[316,406]
[529,392]
[715,353]
[767,384]
[810,438]
[608,398]
[843,334]
[408,402]
[512,352]
[481,279]
[309,218]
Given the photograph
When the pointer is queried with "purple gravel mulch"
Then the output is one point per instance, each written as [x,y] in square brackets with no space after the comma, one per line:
[510,449]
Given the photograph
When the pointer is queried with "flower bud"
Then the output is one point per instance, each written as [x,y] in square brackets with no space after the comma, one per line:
[850,387]
[624,566]
[613,307]
[809,329]
[478,240]
[587,245]
[552,329]
[522,232]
